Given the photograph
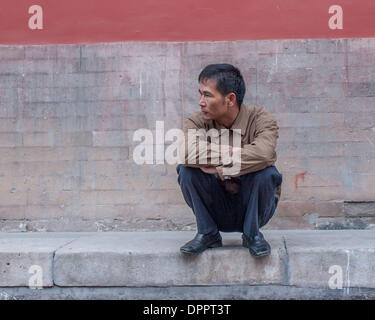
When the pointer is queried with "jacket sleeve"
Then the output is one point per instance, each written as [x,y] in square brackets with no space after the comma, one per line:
[260,153]
[194,154]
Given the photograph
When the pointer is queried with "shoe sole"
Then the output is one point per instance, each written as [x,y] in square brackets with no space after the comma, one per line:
[213,245]
[258,255]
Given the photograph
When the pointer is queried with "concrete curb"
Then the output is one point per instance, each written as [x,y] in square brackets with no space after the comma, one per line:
[311,259]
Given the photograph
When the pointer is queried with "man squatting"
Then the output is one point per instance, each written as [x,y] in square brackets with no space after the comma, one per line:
[236,193]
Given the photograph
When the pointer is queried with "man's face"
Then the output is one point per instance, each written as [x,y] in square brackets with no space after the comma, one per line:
[213,104]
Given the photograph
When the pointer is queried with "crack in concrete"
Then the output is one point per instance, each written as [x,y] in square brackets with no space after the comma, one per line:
[347,274]
[285,273]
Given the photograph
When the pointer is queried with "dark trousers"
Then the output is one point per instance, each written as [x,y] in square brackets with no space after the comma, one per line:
[217,210]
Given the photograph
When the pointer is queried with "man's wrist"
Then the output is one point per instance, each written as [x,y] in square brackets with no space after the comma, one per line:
[221,175]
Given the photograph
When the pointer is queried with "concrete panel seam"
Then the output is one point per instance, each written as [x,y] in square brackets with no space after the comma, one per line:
[53,259]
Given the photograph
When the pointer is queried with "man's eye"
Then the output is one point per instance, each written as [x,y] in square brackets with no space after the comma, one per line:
[205,95]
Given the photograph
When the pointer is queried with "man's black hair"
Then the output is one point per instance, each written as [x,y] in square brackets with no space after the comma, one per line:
[228,79]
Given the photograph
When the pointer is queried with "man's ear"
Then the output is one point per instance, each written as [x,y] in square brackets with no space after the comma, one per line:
[231,99]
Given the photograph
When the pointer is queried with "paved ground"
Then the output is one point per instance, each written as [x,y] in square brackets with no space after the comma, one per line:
[306,264]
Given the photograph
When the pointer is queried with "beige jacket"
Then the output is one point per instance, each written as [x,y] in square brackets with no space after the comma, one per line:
[258,136]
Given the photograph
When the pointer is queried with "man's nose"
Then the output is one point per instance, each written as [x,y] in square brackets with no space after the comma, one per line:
[202,102]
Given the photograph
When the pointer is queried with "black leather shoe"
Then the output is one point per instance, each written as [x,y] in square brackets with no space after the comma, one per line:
[202,242]
[258,246]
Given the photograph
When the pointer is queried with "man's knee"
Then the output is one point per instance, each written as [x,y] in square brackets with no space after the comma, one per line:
[186,175]
[269,175]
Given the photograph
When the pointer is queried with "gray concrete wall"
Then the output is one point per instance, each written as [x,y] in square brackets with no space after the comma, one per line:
[68,114]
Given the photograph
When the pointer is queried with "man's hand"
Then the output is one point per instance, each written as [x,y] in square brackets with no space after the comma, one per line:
[210,170]
[232,186]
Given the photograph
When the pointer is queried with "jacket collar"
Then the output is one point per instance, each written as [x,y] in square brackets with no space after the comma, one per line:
[240,122]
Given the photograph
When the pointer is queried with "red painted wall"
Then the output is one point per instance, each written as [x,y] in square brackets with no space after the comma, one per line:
[88,21]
